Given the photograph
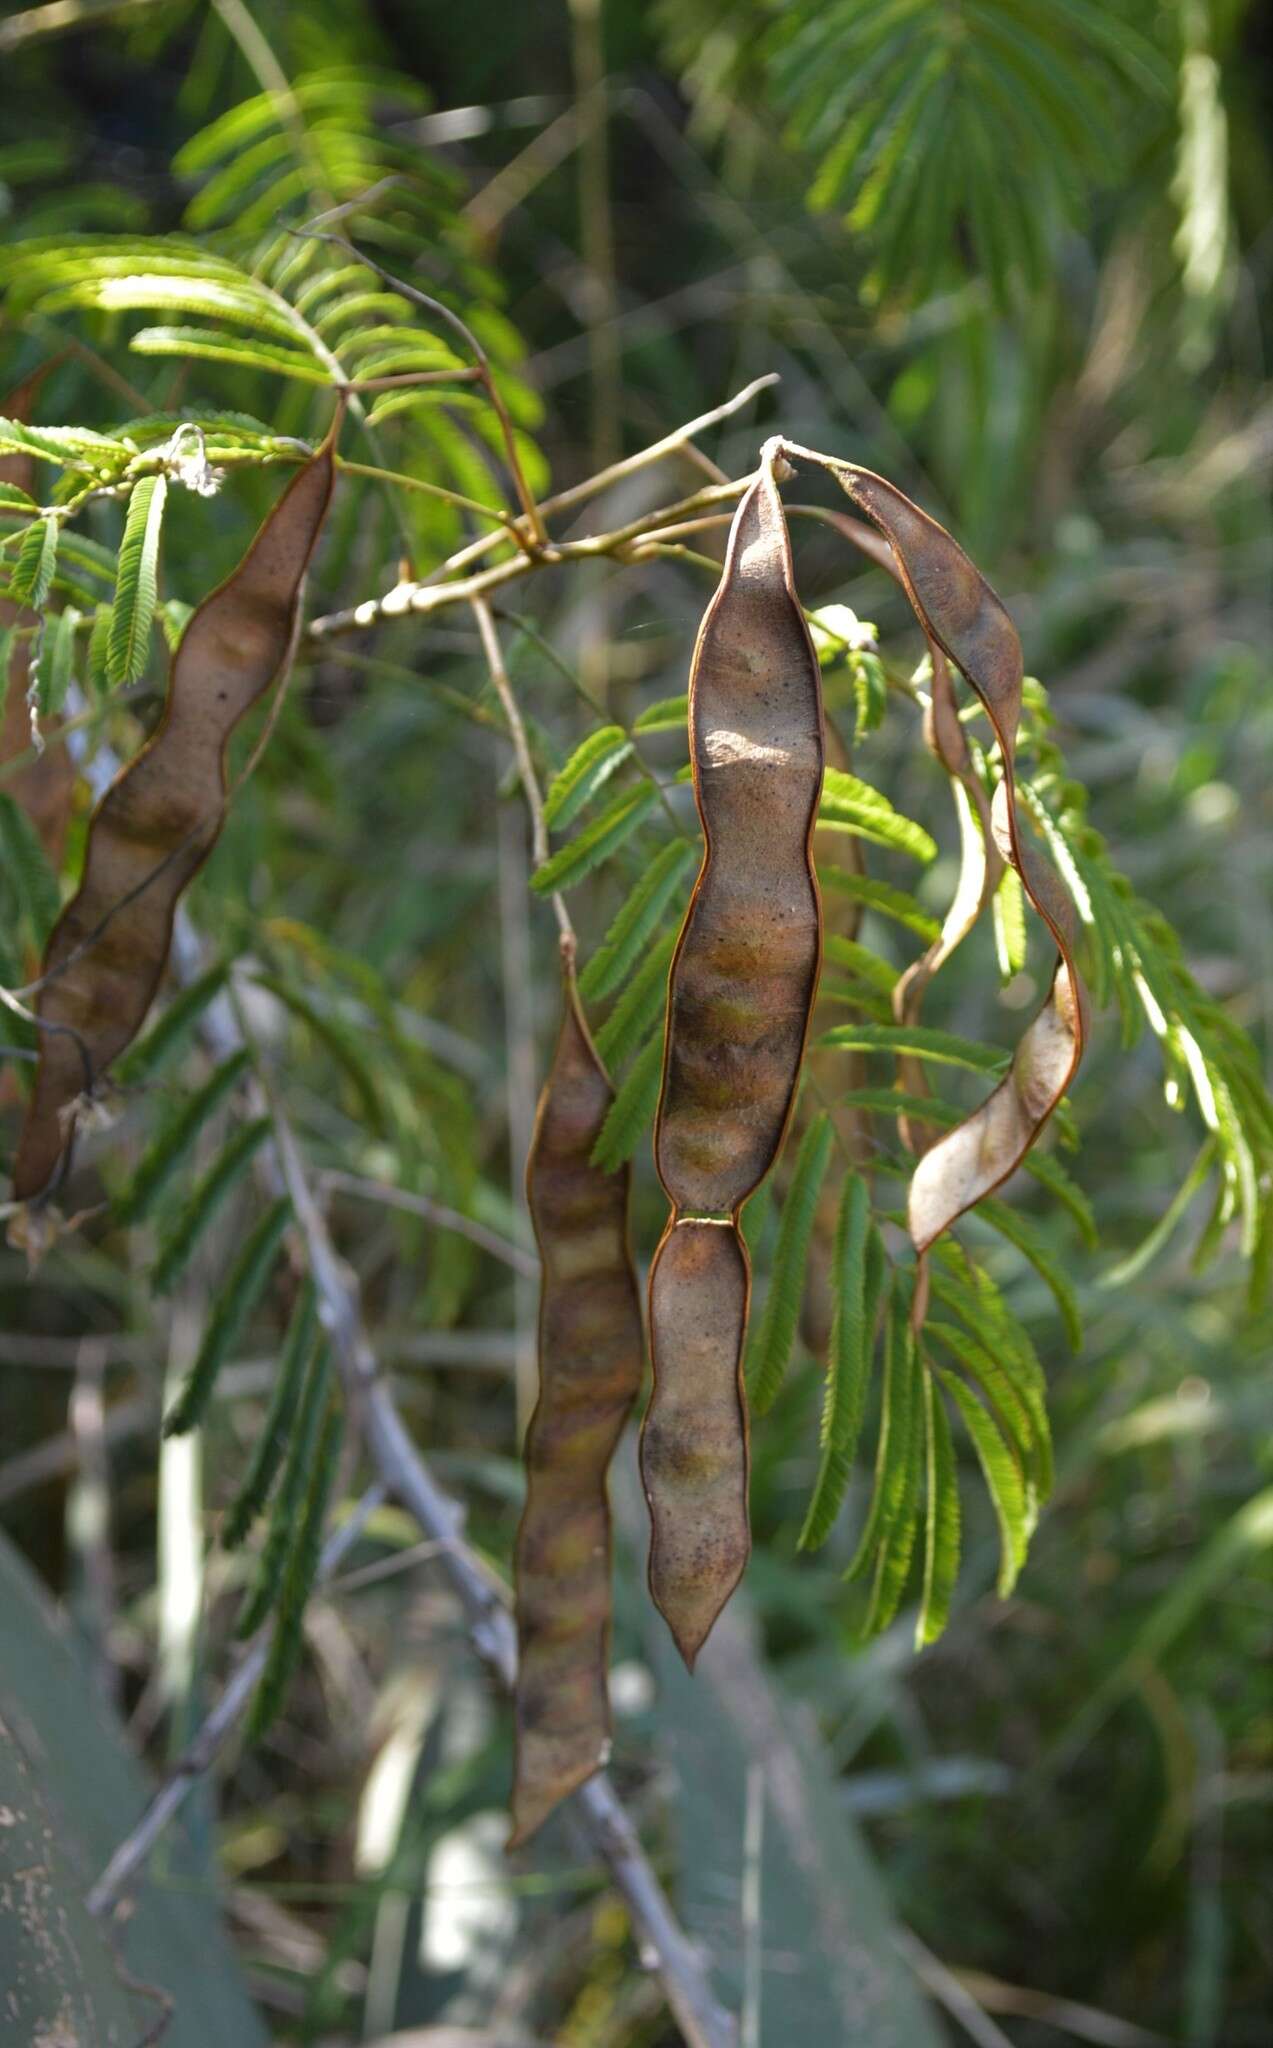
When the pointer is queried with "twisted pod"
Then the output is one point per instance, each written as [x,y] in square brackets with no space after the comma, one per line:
[590,1358]
[964,619]
[158,822]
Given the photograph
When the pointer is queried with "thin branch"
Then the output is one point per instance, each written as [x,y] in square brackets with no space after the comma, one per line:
[947,1989]
[521,748]
[60,17]
[415,297]
[678,442]
[428,594]
[670,444]
[130,1858]
[433,1212]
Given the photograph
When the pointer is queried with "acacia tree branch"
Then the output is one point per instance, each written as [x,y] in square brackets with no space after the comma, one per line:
[521,748]
[130,1858]
[421,596]
[404,1475]
[427,594]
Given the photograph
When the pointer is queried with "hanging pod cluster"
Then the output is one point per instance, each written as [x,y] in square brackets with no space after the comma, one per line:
[158,822]
[743,979]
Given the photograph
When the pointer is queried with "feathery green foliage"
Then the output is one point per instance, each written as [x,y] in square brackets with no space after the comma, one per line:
[1002,1477]
[942,1518]
[176,1138]
[275,1431]
[288,1499]
[1020,1231]
[180,1240]
[943,1046]
[896,1444]
[566,868]
[28,872]
[170,1032]
[137,583]
[299,1574]
[640,1006]
[851,805]
[589,768]
[32,577]
[642,910]
[858,1278]
[55,670]
[230,1312]
[632,1111]
[881,896]
[920,117]
[770,1349]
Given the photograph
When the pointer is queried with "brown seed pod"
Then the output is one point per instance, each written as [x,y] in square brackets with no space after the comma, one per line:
[158,822]
[962,616]
[742,985]
[590,1359]
[980,867]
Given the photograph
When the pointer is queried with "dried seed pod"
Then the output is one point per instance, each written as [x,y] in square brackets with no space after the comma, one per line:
[694,1443]
[742,985]
[590,1358]
[963,617]
[158,822]
[980,867]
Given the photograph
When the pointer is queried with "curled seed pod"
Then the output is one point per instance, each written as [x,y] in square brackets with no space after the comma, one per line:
[158,822]
[961,615]
[980,867]
[590,1357]
[742,985]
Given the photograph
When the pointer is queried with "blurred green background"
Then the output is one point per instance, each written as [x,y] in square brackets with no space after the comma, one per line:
[1020,258]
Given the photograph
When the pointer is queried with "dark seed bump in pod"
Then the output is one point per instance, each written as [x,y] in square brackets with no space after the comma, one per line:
[741,989]
[158,822]
[590,1360]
